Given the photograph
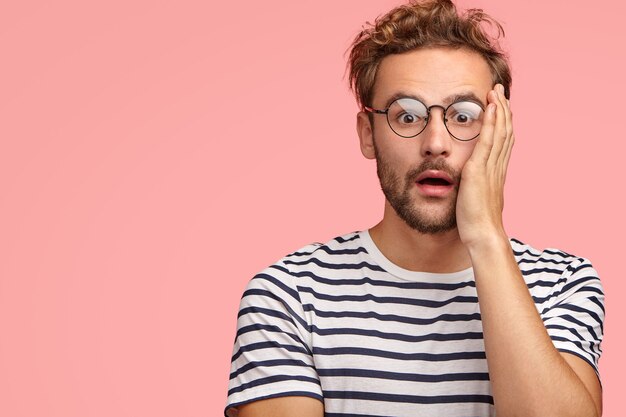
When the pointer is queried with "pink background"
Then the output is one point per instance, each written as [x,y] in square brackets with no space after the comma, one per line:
[155,155]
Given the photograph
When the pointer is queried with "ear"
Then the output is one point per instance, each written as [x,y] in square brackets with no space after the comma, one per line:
[366,135]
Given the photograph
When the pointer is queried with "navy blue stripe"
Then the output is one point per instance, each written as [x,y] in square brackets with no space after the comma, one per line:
[272,380]
[529,250]
[564,290]
[276,395]
[392,317]
[340,239]
[538,254]
[597,302]
[279,283]
[269,364]
[344,266]
[390,300]
[412,399]
[583,265]
[267,345]
[574,320]
[313,247]
[579,309]
[575,342]
[552,261]
[540,270]
[273,313]
[275,329]
[395,376]
[330,251]
[419,356]
[579,281]
[568,329]
[439,337]
[559,252]
[273,296]
[359,280]
[579,291]
[547,284]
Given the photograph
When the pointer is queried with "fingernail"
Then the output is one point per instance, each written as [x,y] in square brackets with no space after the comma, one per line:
[491,108]
[501,88]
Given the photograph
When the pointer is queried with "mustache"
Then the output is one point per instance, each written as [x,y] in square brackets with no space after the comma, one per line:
[438,165]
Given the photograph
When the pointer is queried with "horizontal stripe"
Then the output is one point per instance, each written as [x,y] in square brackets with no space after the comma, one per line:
[341,239]
[324,248]
[578,309]
[396,376]
[545,284]
[343,266]
[269,364]
[392,317]
[269,328]
[412,399]
[264,293]
[579,281]
[418,356]
[272,380]
[534,271]
[360,280]
[578,323]
[392,300]
[267,345]
[276,395]
[436,337]
[544,260]
[566,329]
[278,283]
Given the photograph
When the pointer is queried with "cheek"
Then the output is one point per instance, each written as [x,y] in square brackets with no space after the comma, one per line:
[465,151]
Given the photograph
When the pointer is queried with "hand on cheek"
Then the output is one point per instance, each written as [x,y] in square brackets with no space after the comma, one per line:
[481,193]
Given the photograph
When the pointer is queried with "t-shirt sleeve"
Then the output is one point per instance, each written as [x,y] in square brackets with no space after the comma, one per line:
[272,355]
[575,318]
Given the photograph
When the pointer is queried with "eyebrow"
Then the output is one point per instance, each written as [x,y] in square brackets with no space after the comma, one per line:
[464,96]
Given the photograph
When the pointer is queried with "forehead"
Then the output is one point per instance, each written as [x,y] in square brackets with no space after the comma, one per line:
[435,74]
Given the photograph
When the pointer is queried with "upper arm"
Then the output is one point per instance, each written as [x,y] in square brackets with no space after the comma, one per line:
[282,407]
[272,354]
[588,377]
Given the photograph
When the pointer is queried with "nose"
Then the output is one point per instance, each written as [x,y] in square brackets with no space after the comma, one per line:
[436,141]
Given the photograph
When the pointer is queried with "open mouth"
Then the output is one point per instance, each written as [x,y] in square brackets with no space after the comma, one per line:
[434,181]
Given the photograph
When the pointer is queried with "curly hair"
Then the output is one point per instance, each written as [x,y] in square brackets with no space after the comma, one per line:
[423,24]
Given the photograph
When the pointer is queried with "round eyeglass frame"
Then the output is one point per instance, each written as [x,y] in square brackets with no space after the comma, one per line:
[445,120]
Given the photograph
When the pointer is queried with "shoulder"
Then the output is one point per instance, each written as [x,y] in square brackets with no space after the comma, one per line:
[339,251]
[548,260]
[342,252]
[552,274]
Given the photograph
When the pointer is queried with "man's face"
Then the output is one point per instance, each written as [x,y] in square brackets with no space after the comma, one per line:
[420,176]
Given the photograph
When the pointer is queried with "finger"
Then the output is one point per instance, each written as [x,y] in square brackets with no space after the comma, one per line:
[482,150]
[508,142]
[507,156]
[500,133]
[509,118]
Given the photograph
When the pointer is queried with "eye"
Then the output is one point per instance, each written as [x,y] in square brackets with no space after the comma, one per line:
[464,113]
[409,118]
[462,118]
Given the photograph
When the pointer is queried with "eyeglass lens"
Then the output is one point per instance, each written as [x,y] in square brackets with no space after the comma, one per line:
[408,117]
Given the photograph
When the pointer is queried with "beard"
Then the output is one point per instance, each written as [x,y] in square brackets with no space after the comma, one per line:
[421,218]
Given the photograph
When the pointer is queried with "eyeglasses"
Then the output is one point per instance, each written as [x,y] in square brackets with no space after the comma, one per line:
[408,117]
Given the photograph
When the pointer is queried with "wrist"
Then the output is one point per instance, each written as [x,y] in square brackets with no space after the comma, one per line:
[489,243]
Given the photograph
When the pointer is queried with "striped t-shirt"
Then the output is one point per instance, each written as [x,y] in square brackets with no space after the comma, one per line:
[341,323]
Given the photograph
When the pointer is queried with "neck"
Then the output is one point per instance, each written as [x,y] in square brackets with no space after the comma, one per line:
[409,249]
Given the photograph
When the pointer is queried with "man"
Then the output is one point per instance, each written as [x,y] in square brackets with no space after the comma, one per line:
[434,311]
